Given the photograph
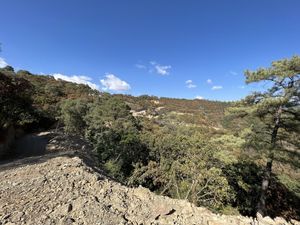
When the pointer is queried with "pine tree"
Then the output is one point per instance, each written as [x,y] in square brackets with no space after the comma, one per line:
[278,108]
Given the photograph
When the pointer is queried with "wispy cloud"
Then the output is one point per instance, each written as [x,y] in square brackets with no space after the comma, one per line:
[113,83]
[155,67]
[217,87]
[199,97]
[233,72]
[190,84]
[241,87]
[159,69]
[140,66]
[162,70]
[3,63]
[76,79]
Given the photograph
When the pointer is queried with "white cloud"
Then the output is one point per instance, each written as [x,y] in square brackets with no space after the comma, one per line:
[140,66]
[209,81]
[233,73]
[242,87]
[162,70]
[155,67]
[216,88]
[113,83]
[199,97]
[76,79]
[190,84]
[3,63]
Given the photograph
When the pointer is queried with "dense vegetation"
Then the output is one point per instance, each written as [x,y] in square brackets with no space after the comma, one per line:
[210,153]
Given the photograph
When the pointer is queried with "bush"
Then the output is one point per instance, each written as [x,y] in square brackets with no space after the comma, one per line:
[73,114]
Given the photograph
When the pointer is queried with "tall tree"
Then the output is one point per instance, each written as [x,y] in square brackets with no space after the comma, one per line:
[277,108]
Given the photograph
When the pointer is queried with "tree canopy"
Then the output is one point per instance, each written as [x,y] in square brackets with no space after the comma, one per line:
[277,110]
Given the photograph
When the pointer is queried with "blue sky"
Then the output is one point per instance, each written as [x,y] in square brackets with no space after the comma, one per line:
[169,48]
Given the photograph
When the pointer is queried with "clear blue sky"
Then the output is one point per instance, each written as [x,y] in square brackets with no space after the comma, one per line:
[154,46]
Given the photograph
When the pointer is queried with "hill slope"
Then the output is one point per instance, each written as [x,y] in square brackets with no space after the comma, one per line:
[161,143]
[64,187]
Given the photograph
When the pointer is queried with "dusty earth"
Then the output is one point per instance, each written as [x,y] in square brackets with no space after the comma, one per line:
[59,183]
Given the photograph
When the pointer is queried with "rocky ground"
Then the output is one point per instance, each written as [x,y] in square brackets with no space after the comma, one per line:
[63,186]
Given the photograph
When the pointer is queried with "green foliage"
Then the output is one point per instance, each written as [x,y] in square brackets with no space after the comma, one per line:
[279,71]
[244,178]
[228,148]
[29,100]
[183,166]
[113,168]
[273,119]
[114,133]
[15,100]
[290,183]
[198,112]
[283,95]
[8,69]
[72,115]
[108,124]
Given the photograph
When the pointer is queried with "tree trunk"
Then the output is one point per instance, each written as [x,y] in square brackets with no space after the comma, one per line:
[261,206]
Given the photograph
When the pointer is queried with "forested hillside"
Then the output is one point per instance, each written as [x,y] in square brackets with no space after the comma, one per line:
[192,112]
[33,100]
[210,153]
